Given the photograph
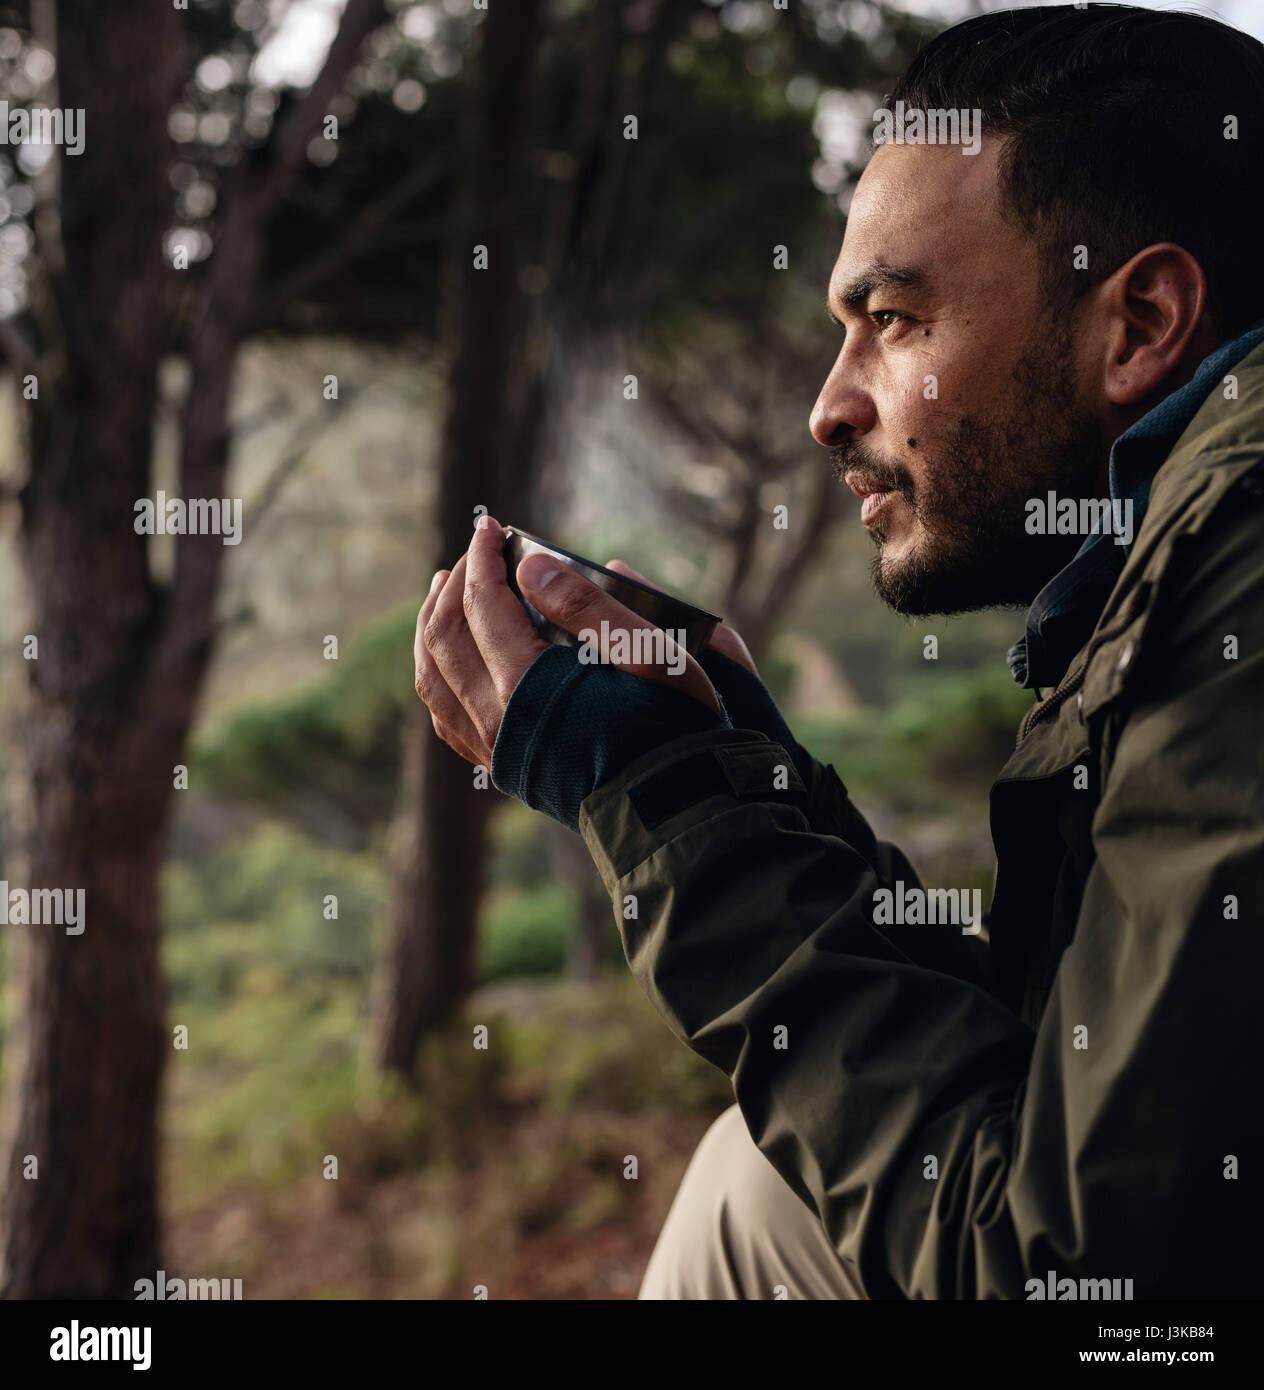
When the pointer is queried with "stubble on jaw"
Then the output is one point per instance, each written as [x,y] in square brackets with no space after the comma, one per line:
[969,505]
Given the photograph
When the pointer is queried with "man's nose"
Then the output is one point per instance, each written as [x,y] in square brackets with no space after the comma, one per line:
[842,409]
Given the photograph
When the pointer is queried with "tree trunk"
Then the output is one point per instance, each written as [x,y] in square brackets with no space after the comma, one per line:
[593,923]
[499,340]
[113,692]
[88,1041]
[436,863]
[440,838]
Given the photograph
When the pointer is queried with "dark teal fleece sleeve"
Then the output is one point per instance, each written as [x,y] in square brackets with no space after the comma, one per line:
[570,726]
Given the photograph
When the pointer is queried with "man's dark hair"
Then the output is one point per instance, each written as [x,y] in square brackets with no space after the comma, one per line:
[1117,121]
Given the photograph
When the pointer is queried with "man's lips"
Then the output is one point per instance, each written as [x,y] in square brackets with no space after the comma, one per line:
[873,497]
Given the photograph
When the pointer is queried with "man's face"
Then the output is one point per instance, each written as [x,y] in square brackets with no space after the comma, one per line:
[955,397]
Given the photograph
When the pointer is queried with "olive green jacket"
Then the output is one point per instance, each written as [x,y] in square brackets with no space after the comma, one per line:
[1073,1090]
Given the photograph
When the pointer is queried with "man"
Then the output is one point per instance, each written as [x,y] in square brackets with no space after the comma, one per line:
[1076,309]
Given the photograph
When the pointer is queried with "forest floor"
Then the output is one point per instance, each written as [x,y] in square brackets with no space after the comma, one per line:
[512,1168]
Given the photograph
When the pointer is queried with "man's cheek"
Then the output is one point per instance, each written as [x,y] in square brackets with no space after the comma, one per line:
[924,403]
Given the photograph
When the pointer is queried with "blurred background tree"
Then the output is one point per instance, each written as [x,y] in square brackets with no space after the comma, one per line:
[122,653]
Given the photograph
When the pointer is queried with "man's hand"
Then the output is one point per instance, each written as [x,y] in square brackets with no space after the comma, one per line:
[474,640]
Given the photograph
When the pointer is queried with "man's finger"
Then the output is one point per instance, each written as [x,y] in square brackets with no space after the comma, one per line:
[451,723]
[622,567]
[627,640]
[423,617]
[446,635]
[459,745]
[499,623]
[451,643]
[728,642]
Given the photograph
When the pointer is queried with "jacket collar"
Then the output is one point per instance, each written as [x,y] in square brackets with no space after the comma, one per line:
[1064,613]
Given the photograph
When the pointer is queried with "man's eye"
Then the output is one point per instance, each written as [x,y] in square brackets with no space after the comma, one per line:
[878,315]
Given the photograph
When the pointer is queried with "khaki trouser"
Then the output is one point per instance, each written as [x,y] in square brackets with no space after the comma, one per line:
[736,1230]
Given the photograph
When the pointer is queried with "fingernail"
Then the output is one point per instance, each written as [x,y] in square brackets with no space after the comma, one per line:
[435,581]
[539,571]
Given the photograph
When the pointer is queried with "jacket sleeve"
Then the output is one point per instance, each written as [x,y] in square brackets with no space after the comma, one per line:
[949,1150]
[830,811]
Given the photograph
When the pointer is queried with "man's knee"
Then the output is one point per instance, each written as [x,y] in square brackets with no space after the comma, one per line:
[737,1230]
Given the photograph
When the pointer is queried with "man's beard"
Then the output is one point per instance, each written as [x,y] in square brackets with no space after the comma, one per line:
[974,551]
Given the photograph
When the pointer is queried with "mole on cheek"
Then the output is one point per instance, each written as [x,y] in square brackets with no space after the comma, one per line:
[912,443]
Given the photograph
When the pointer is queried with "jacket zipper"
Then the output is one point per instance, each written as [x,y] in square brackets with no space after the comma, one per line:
[1037,712]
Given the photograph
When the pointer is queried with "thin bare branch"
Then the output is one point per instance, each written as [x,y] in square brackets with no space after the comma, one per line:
[288,148]
[300,446]
[358,236]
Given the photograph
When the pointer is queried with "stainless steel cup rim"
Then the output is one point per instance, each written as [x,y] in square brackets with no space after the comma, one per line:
[581,562]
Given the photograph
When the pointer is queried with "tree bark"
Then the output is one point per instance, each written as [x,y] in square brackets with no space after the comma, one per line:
[594,926]
[87,1046]
[440,839]
[112,694]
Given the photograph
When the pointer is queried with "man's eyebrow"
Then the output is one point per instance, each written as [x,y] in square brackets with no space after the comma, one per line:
[879,276]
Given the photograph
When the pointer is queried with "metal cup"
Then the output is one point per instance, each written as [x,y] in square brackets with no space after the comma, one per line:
[659,608]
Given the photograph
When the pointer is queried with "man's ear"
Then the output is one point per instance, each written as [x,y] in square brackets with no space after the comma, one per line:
[1157,326]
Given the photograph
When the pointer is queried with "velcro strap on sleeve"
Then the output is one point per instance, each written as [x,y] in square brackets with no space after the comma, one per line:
[747,772]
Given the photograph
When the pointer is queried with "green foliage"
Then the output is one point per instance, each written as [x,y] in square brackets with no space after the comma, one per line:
[601,1046]
[258,902]
[528,932]
[326,756]
[265,1066]
[955,718]
[950,736]
[254,909]
[520,855]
